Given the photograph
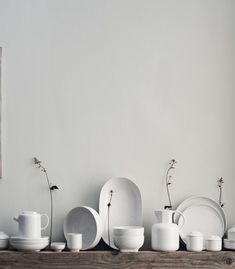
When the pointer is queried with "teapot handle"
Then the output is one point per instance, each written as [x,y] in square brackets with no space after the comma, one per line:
[44,227]
[178,212]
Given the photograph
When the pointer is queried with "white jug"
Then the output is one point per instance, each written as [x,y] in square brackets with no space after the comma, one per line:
[165,233]
[30,224]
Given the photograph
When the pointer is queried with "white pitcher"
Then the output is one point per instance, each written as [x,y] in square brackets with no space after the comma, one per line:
[30,224]
[165,233]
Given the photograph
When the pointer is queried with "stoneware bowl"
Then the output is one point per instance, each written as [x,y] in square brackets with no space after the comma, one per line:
[86,221]
[57,246]
[128,231]
[128,243]
[214,243]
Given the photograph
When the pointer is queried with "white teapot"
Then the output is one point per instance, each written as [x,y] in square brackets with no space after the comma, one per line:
[165,233]
[30,224]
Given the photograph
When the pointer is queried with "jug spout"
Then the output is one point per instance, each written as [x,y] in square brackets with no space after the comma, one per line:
[158,214]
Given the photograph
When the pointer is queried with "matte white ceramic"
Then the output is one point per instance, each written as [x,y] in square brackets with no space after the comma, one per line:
[86,221]
[3,235]
[29,224]
[165,233]
[128,230]
[4,243]
[231,233]
[201,214]
[128,243]
[214,243]
[74,242]
[125,209]
[57,246]
[24,246]
[195,241]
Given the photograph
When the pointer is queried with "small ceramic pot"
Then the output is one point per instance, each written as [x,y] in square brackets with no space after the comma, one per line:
[214,243]
[195,241]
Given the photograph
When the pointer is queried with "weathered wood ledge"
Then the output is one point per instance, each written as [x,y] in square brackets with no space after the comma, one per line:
[114,259]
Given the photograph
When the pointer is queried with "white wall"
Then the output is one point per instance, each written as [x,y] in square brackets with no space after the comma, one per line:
[116,88]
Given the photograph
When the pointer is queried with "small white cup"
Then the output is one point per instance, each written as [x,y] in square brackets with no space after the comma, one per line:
[214,243]
[195,241]
[74,242]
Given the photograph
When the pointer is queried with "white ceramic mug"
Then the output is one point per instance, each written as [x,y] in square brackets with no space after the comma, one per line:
[30,224]
[74,241]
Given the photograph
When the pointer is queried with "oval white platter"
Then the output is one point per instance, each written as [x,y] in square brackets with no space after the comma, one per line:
[84,220]
[125,208]
[201,214]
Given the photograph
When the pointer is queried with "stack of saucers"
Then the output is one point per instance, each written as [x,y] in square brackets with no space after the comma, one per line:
[29,244]
[3,240]
[229,243]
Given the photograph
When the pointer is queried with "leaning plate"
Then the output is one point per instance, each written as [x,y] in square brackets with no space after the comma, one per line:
[125,206]
[201,214]
[84,220]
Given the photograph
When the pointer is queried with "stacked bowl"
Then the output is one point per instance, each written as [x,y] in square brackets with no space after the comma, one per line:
[128,238]
[229,242]
[3,240]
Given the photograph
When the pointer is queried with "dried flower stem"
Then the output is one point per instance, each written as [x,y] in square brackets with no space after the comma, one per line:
[220,182]
[109,205]
[51,188]
[168,181]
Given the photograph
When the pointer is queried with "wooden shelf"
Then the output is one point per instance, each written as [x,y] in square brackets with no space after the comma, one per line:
[114,259]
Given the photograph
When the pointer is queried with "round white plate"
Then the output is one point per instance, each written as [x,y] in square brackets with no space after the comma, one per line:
[84,220]
[201,214]
[125,209]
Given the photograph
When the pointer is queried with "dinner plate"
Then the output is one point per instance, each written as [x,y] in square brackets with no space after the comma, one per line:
[125,208]
[201,214]
[84,220]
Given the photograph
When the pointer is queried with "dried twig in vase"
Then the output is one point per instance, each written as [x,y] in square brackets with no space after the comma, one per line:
[220,183]
[51,188]
[109,205]
[168,181]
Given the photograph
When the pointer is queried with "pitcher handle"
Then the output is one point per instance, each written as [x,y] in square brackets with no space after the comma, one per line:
[44,227]
[178,212]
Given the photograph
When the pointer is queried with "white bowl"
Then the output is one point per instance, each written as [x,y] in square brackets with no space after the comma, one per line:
[128,243]
[57,246]
[3,235]
[4,243]
[128,230]
[86,221]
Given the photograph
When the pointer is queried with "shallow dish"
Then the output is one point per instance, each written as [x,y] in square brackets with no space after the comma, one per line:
[57,246]
[125,209]
[29,247]
[86,221]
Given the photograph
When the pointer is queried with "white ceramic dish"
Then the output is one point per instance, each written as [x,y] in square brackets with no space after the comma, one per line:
[57,246]
[128,230]
[125,209]
[231,233]
[86,221]
[3,235]
[28,240]
[201,214]
[22,246]
[128,243]
[213,243]
[4,243]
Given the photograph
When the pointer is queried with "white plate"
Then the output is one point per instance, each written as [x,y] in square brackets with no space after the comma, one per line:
[125,209]
[84,220]
[201,214]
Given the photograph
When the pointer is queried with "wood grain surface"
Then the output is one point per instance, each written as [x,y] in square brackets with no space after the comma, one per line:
[109,259]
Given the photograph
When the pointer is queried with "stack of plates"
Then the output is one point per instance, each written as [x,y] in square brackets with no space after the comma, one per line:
[229,244]
[29,244]
[3,240]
